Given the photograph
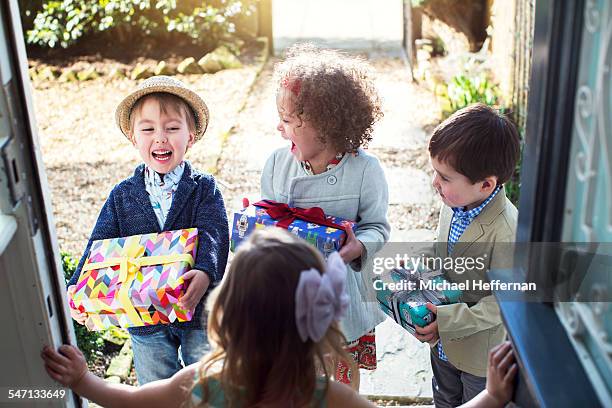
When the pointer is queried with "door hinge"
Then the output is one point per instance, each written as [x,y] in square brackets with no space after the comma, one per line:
[15,186]
[15,177]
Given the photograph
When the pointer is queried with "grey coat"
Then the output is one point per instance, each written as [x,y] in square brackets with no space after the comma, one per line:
[356,189]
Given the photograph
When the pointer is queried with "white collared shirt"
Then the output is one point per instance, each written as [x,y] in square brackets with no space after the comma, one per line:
[161,191]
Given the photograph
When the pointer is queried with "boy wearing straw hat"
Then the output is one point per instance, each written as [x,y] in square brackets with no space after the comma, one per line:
[163,118]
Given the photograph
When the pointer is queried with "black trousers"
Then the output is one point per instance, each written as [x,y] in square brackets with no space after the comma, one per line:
[453,387]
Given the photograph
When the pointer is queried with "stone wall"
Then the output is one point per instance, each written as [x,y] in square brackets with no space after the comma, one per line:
[461,24]
[511,32]
[496,32]
[502,30]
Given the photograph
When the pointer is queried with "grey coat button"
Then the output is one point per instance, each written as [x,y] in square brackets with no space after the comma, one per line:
[331,180]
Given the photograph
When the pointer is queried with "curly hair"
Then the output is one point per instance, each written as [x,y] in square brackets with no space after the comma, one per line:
[335,94]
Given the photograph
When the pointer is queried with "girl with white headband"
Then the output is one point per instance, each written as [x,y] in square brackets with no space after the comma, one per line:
[273,327]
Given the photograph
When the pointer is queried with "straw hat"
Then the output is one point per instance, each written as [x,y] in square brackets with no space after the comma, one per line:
[162,83]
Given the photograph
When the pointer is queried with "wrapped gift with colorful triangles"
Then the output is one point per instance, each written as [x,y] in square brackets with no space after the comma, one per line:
[137,280]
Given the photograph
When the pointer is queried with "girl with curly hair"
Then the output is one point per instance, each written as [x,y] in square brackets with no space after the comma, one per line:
[328,105]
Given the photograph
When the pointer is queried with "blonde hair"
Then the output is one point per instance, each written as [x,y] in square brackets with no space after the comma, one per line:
[252,328]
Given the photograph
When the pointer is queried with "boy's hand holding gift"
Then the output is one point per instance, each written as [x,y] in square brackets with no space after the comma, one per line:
[428,333]
[198,282]
[77,315]
[411,296]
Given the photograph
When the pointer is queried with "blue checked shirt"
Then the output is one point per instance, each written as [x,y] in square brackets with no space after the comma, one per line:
[461,220]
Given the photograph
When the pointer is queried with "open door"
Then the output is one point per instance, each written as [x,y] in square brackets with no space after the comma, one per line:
[563,337]
[32,295]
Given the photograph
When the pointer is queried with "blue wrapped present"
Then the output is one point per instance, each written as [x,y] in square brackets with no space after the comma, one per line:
[402,294]
[326,233]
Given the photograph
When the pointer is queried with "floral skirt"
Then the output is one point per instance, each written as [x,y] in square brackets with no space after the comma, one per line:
[363,351]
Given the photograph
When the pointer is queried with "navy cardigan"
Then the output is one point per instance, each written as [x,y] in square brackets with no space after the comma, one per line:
[197,203]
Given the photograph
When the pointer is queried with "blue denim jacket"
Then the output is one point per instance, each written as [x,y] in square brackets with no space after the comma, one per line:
[197,203]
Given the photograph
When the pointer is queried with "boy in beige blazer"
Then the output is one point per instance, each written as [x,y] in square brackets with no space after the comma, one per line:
[472,154]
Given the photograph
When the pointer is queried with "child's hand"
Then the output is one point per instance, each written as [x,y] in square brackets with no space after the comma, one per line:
[501,372]
[80,318]
[74,313]
[428,333]
[198,284]
[352,248]
[67,367]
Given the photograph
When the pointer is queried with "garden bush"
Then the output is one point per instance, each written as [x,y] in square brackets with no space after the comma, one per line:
[464,89]
[52,23]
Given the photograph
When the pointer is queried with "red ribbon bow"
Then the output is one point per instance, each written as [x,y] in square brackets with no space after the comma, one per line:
[285,215]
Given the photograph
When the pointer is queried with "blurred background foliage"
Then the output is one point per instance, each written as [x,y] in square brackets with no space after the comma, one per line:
[465,89]
[65,23]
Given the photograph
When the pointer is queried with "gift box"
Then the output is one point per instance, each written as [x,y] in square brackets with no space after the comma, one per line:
[402,295]
[137,280]
[325,232]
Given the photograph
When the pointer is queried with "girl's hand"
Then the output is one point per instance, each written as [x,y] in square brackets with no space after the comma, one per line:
[352,248]
[75,314]
[198,284]
[501,372]
[67,367]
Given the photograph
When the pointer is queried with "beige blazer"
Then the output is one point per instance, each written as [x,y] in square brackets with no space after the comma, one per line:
[468,333]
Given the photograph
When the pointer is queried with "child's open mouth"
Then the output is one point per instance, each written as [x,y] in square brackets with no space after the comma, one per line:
[162,155]
[292,147]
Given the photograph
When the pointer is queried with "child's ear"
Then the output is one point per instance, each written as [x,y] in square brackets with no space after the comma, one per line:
[488,184]
[131,137]
[191,140]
